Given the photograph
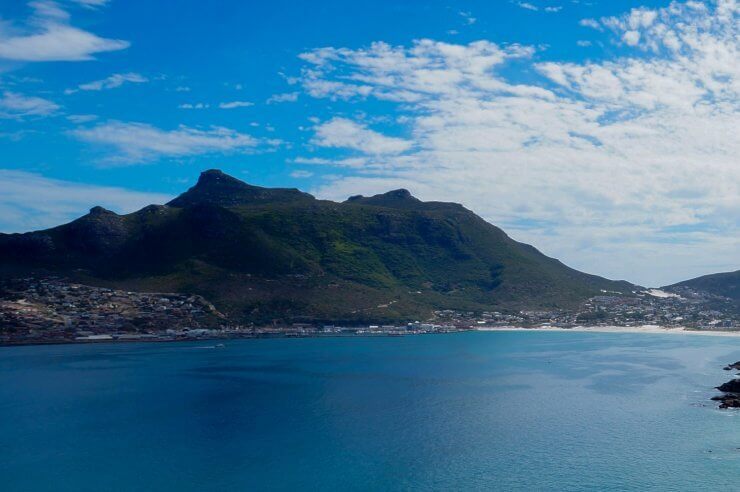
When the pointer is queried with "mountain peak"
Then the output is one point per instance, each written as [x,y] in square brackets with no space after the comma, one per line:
[213,172]
[98,210]
[401,193]
[394,198]
[214,187]
[212,177]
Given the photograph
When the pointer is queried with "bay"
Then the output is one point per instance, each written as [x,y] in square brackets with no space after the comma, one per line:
[466,411]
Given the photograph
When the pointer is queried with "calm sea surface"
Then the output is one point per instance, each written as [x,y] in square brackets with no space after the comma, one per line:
[470,411]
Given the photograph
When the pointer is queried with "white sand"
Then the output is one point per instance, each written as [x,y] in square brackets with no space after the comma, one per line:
[617,329]
[661,293]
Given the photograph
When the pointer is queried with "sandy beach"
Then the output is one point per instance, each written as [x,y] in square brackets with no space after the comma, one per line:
[649,329]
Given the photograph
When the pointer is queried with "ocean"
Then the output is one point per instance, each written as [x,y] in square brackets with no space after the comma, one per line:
[467,411]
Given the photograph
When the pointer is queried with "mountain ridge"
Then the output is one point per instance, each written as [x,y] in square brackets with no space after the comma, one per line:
[724,284]
[262,254]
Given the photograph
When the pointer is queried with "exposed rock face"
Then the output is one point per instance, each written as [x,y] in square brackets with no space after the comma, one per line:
[731,390]
[732,386]
[729,400]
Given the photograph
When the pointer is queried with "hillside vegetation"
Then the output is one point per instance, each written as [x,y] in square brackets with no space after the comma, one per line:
[262,254]
[719,284]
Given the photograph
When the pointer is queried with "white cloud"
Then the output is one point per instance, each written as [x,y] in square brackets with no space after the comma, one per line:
[351,162]
[48,36]
[535,8]
[194,106]
[606,165]
[592,23]
[15,105]
[82,118]
[631,38]
[344,133]
[92,4]
[235,104]
[583,43]
[29,201]
[111,82]
[300,173]
[140,142]
[409,75]
[223,105]
[281,98]
[468,18]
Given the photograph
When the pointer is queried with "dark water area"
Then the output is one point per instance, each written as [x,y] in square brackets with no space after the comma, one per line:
[465,411]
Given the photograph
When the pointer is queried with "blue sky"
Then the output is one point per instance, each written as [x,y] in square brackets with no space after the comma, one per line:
[601,132]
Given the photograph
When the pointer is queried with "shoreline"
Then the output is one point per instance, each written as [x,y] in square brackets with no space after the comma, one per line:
[645,329]
[262,336]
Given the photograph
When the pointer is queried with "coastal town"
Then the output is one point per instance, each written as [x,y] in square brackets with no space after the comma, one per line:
[54,310]
[685,308]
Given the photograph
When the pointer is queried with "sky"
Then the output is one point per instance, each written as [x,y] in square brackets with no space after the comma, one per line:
[606,134]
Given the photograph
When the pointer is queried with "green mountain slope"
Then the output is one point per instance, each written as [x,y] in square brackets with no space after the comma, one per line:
[720,284]
[264,254]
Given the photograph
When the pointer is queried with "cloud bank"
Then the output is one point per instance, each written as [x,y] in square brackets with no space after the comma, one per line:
[48,36]
[133,142]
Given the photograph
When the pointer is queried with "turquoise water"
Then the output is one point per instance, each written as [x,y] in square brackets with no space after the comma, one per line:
[485,411]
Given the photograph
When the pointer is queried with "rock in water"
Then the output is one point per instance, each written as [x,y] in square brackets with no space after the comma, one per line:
[731,390]
[732,386]
[729,400]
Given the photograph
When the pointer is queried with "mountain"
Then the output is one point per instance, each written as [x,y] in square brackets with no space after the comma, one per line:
[272,254]
[718,284]
[216,188]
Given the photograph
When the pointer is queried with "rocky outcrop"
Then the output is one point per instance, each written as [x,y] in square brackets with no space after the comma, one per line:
[215,187]
[731,390]
[732,386]
[729,400]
